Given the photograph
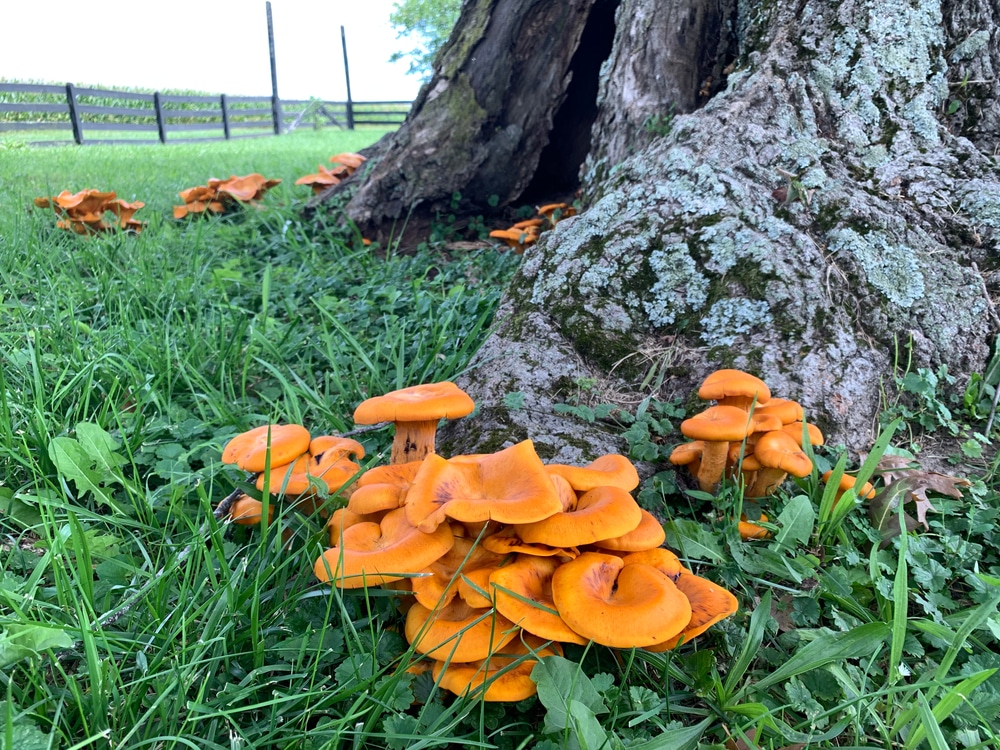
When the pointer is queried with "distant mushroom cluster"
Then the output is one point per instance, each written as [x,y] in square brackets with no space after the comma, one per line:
[346,165]
[85,212]
[501,558]
[222,196]
[746,435]
[518,237]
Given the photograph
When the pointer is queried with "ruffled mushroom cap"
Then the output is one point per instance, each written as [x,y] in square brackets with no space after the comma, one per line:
[374,553]
[648,534]
[416,412]
[734,388]
[506,675]
[348,159]
[372,498]
[506,541]
[247,188]
[611,470]
[320,180]
[709,604]
[523,594]
[716,427]
[457,632]
[249,449]
[342,518]
[779,455]
[510,486]
[601,513]
[618,605]
[323,445]
[438,583]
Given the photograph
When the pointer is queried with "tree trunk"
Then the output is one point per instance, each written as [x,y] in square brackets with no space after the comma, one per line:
[822,210]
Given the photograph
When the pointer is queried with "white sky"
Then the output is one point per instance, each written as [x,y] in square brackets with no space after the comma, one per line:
[219,46]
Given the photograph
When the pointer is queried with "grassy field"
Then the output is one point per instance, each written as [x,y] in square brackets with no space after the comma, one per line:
[129,618]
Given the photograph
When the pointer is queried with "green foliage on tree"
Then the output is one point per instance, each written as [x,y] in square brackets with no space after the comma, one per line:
[428,23]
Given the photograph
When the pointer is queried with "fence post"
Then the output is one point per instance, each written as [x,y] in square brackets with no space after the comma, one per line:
[347,76]
[161,123]
[225,116]
[74,116]
[275,101]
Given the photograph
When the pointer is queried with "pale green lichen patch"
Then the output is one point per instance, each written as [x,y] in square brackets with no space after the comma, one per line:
[890,267]
[679,286]
[729,318]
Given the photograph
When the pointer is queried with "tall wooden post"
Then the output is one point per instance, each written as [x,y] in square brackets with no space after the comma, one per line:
[275,101]
[74,115]
[347,76]
[161,120]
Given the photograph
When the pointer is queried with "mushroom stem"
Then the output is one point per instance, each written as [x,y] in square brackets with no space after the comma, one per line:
[713,464]
[766,482]
[414,441]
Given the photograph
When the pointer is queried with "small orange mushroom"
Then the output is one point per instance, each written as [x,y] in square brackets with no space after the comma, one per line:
[523,594]
[457,632]
[716,427]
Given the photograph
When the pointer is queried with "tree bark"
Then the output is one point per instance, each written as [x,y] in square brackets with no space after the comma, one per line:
[823,209]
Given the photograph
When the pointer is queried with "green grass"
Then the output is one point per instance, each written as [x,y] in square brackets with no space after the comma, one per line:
[129,618]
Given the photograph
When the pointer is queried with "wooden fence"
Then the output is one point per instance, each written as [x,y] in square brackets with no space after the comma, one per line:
[161,118]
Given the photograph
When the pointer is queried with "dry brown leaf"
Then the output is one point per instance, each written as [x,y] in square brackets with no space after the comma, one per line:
[905,481]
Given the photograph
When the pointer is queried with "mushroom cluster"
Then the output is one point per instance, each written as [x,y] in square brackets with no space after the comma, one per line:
[501,558]
[293,462]
[85,212]
[748,435]
[220,196]
[518,237]
[346,165]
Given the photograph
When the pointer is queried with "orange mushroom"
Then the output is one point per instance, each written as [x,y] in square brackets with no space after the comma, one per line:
[601,513]
[523,594]
[457,632]
[610,470]
[510,486]
[373,553]
[506,674]
[416,412]
[710,603]
[249,450]
[619,605]
[779,455]
[716,427]
[734,388]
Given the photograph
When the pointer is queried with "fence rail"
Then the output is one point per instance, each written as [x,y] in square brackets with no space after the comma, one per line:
[175,118]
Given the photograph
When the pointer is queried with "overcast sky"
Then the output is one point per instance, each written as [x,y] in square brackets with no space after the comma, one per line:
[219,46]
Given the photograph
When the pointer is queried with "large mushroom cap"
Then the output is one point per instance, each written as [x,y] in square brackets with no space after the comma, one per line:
[457,632]
[734,388]
[374,553]
[249,449]
[510,486]
[523,594]
[619,605]
[601,513]
[506,675]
